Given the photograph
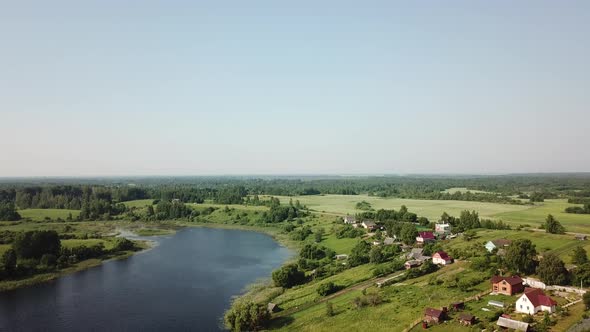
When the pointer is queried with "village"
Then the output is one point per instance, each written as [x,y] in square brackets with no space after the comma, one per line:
[512,302]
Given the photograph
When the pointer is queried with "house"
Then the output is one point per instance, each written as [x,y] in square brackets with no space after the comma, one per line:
[413,263]
[341,256]
[581,237]
[434,315]
[497,244]
[425,237]
[442,258]
[442,228]
[534,300]
[497,304]
[370,225]
[466,319]
[506,323]
[349,220]
[506,285]
[388,241]
[415,253]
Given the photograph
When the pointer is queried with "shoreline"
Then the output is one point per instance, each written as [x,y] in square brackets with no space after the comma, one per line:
[170,227]
[11,285]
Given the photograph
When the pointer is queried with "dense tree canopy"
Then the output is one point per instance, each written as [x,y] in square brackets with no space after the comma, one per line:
[288,276]
[552,270]
[34,244]
[520,256]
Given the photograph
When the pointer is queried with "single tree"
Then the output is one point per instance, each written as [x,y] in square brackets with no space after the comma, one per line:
[376,255]
[9,260]
[553,226]
[359,254]
[246,316]
[288,276]
[408,233]
[520,256]
[552,270]
[579,256]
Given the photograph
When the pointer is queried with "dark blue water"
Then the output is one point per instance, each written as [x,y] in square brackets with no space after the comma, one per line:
[183,284]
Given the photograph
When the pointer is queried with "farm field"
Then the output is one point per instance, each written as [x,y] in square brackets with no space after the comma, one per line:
[514,215]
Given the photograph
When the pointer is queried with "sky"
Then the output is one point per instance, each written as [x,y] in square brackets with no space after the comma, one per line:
[99,88]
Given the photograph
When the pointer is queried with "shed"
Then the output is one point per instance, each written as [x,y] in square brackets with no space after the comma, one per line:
[272,307]
[457,305]
[496,304]
[581,237]
[512,324]
[466,319]
[434,315]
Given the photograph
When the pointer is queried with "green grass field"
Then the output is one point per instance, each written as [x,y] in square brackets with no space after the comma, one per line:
[515,215]
[561,245]
[402,303]
[41,214]
[138,203]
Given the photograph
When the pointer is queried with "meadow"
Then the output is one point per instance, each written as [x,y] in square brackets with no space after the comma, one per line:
[43,214]
[514,215]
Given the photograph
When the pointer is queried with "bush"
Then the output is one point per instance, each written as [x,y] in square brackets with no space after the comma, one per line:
[246,316]
[288,276]
[123,244]
[48,260]
[329,309]
[328,288]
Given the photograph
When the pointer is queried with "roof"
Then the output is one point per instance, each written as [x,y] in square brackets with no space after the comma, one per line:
[369,223]
[349,218]
[580,236]
[414,262]
[501,242]
[426,235]
[433,313]
[514,280]
[537,297]
[443,255]
[388,240]
[466,316]
[512,324]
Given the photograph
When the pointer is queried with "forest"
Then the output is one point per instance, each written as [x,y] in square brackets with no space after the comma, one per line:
[102,198]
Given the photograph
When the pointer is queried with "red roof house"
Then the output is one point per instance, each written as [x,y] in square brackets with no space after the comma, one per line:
[534,300]
[507,285]
[424,237]
[442,258]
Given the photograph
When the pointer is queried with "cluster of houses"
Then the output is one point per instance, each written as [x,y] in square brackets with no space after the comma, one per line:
[530,302]
[366,224]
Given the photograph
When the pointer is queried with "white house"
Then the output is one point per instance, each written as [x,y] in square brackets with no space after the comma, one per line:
[497,244]
[442,228]
[370,225]
[534,300]
[349,220]
[441,258]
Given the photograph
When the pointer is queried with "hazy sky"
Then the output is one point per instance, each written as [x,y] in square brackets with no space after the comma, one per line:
[262,87]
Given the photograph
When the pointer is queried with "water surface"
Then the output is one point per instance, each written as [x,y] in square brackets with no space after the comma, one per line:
[184,284]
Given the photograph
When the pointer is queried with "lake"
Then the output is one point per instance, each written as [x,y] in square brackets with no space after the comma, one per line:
[185,283]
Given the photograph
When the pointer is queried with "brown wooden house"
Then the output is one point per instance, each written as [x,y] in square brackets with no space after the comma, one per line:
[507,285]
[466,319]
[434,315]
